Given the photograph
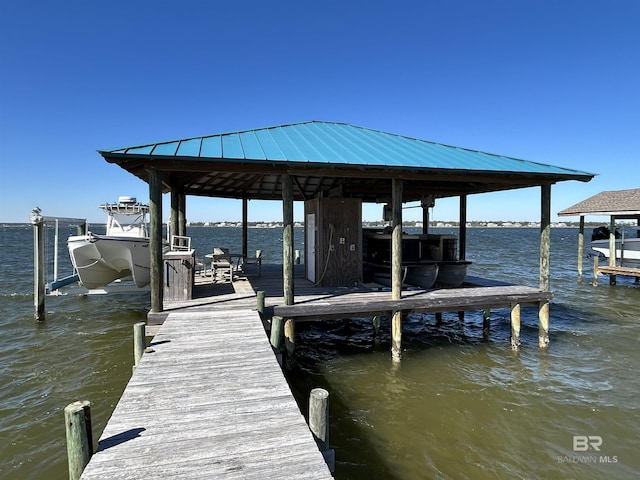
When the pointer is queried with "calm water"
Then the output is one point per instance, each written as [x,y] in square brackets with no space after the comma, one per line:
[456,408]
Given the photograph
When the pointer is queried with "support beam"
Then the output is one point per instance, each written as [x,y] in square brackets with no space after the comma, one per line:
[515,326]
[545,236]
[396,268]
[174,216]
[543,326]
[612,241]
[155,239]
[245,226]
[287,239]
[580,248]
[463,228]
[182,213]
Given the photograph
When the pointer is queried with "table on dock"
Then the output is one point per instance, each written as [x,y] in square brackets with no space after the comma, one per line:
[210,401]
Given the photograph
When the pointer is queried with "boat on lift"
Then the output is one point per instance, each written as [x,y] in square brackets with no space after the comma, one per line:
[121,253]
[627,248]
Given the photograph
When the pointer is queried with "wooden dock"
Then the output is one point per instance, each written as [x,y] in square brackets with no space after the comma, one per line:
[210,401]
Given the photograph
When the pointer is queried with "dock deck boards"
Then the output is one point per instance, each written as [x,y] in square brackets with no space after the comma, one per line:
[210,402]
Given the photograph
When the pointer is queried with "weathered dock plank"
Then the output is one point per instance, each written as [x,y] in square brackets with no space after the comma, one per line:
[210,402]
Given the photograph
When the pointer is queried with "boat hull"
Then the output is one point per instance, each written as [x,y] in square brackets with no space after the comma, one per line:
[99,259]
[419,274]
[451,274]
[628,250]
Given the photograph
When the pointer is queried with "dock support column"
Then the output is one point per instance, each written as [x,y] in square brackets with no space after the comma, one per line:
[245,227]
[319,424]
[77,419]
[290,336]
[486,323]
[287,239]
[139,342]
[174,228]
[515,326]
[463,228]
[543,326]
[277,332]
[260,302]
[396,268]
[596,264]
[580,248]
[155,239]
[545,236]
[376,325]
[38,265]
[612,241]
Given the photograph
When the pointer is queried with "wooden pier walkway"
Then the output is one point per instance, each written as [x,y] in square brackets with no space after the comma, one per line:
[210,401]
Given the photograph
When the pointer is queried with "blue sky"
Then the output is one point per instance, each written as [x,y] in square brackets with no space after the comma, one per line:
[555,82]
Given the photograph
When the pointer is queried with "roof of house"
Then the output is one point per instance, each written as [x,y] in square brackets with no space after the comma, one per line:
[615,202]
[327,158]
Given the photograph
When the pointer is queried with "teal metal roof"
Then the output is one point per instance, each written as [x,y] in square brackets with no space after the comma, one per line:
[351,150]
[338,143]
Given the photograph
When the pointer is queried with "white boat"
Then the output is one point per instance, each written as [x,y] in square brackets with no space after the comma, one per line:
[121,253]
[627,249]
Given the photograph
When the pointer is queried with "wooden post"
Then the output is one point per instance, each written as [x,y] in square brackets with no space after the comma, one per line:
[515,326]
[287,239]
[77,417]
[543,326]
[289,336]
[297,257]
[260,302]
[174,228]
[319,423]
[277,332]
[376,325]
[182,213]
[139,342]
[580,248]
[463,228]
[545,236]
[38,265]
[245,226]
[155,239]
[396,268]
[612,241]
[486,323]
[596,262]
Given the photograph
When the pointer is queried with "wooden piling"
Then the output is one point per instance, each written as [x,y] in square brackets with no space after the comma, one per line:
[580,248]
[319,423]
[596,264]
[77,417]
[139,342]
[545,237]
[38,265]
[277,332]
[289,336]
[486,323]
[260,296]
[396,336]
[155,239]
[515,326]
[543,326]
[287,239]
[376,325]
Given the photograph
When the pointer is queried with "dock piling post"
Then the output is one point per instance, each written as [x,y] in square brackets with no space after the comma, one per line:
[289,335]
[38,264]
[260,302]
[319,423]
[139,342]
[396,336]
[596,262]
[77,416]
[515,326]
[543,326]
[376,325]
[275,336]
[486,323]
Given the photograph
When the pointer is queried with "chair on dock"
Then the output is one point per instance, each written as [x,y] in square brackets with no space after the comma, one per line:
[221,264]
[248,261]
